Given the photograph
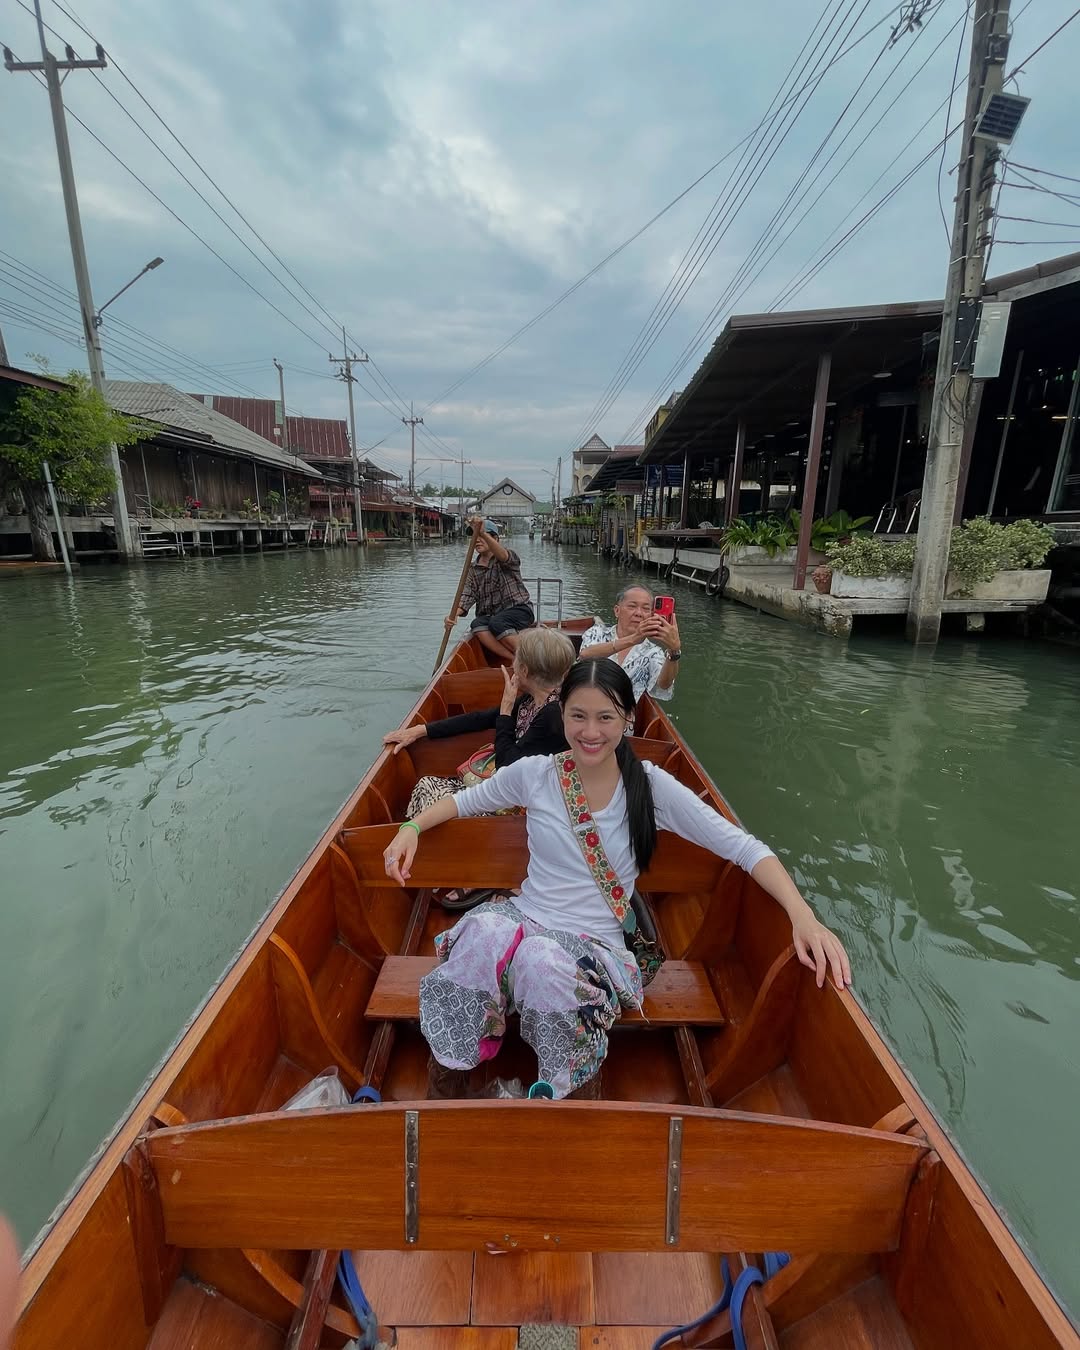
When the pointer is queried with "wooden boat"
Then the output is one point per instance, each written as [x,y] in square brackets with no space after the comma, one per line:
[744,1111]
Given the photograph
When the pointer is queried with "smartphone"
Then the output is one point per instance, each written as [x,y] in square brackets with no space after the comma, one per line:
[664,606]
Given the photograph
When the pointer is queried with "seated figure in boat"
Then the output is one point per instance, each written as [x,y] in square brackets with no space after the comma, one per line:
[556,953]
[527,722]
[495,587]
[646,646]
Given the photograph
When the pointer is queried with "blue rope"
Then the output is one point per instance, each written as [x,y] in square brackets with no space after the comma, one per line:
[350,1281]
[750,1276]
[733,1296]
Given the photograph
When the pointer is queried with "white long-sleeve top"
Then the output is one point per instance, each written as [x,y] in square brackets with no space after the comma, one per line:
[559,891]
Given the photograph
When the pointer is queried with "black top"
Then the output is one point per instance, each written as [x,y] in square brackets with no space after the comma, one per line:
[544,736]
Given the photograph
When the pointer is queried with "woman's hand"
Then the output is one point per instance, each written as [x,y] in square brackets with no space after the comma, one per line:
[398,858]
[820,949]
[404,736]
[510,690]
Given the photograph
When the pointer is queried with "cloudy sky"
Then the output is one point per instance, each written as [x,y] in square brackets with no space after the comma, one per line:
[437,173]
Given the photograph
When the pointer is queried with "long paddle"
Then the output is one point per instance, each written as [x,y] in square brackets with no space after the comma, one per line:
[457,594]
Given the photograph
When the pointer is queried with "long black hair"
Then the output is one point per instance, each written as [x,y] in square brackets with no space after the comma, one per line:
[610,678]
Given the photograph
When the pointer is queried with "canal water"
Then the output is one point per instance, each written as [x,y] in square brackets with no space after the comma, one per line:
[174,738]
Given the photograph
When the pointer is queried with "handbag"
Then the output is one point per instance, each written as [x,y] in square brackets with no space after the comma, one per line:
[632,913]
[479,765]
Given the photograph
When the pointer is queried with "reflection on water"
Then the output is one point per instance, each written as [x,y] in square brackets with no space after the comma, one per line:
[175,738]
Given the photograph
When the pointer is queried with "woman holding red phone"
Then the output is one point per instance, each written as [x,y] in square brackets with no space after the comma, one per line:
[644,640]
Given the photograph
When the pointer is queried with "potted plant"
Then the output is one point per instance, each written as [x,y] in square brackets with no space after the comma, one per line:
[989,561]
[822,579]
[192,505]
[769,543]
[869,567]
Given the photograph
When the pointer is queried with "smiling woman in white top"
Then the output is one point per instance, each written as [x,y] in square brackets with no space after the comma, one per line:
[646,646]
[556,953]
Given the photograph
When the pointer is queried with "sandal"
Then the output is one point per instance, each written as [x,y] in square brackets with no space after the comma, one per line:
[459,900]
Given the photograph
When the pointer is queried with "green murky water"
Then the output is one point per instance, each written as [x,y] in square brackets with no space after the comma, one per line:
[174,738]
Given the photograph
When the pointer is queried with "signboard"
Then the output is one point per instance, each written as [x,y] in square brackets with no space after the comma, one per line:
[990,339]
[663,475]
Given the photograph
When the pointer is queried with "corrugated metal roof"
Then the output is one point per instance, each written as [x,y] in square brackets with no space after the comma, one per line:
[185,415]
[319,437]
[310,437]
[257,414]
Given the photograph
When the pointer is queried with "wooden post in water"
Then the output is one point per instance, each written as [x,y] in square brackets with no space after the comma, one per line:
[56,516]
[813,464]
[732,512]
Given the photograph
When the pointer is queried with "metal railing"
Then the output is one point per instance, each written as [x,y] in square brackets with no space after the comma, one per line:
[551,581]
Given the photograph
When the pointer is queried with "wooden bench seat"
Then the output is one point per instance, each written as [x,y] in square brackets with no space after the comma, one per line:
[457,1176]
[681,994]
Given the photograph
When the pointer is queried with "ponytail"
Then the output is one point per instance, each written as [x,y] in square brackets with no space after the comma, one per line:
[640,811]
[610,677]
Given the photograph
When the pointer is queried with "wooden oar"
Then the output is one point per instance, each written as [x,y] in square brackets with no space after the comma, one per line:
[457,598]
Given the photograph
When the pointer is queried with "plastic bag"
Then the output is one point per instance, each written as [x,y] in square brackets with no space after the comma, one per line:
[326,1090]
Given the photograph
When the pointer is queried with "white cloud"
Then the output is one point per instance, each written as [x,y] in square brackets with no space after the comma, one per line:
[437,174]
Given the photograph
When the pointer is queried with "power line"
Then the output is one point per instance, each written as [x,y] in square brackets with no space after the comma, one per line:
[31,276]
[1034,220]
[1030,185]
[769,135]
[199,194]
[948,119]
[1044,172]
[1017,69]
[334,325]
[757,259]
[619,248]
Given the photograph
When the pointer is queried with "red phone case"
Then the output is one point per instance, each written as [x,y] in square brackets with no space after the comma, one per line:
[664,605]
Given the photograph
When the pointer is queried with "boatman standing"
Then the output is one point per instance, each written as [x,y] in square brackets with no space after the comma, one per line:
[495,587]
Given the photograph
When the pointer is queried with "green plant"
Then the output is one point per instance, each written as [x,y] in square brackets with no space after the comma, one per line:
[71,428]
[772,534]
[867,555]
[980,548]
[1027,543]
[740,534]
[828,529]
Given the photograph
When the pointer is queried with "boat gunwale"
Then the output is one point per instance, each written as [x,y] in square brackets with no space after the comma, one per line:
[75,1205]
[62,1226]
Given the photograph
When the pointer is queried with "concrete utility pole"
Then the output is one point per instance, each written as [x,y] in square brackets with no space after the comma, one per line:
[412,422]
[284,419]
[125,543]
[461,499]
[952,379]
[346,362]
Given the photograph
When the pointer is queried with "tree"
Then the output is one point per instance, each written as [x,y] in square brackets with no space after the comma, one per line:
[73,431]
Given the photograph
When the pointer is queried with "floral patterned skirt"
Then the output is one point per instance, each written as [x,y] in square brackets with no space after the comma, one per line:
[567,989]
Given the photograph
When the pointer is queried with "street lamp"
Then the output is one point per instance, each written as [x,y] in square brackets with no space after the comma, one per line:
[154,262]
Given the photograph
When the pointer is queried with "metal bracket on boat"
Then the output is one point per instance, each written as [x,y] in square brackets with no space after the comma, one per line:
[674,1179]
[412,1175]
